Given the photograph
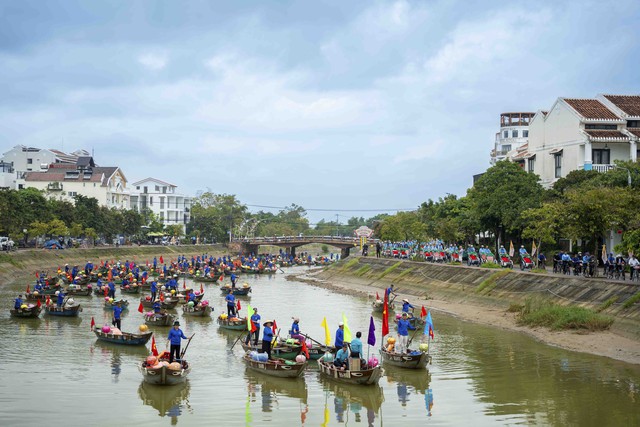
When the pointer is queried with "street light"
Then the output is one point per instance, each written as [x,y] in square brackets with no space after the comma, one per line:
[628,175]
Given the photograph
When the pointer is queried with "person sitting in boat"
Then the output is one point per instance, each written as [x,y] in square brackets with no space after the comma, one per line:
[18,302]
[406,306]
[175,338]
[255,319]
[403,333]
[38,287]
[295,330]
[60,300]
[356,346]
[340,336]
[267,337]
[157,307]
[340,361]
[231,304]
[117,315]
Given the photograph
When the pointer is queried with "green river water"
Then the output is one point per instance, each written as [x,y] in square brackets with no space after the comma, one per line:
[54,372]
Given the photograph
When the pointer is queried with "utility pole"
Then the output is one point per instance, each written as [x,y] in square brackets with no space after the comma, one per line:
[337,225]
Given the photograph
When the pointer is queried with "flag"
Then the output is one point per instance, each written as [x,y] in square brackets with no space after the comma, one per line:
[533,248]
[327,335]
[201,289]
[186,298]
[428,326]
[154,349]
[93,322]
[511,250]
[161,260]
[161,296]
[305,350]
[28,288]
[37,275]
[39,303]
[423,312]
[347,331]
[221,278]
[250,326]
[140,307]
[48,300]
[275,326]
[184,283]
[377,297]
[604,254]
[372,332]
[238,306]
[385,316]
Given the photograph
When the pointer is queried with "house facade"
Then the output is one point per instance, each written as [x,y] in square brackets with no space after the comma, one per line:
[513,134]
[163,199]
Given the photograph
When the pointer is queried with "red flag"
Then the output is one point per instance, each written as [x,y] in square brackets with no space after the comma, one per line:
[28,288]
[161,260]
[48,300]
[423,312]
[253,327]
[275,326]
[430,332]
[221,278]
[385,316]
[201,289]
[39,303]
[238,307]
[186,298]
[154,349]
[140,307]
[93,323]
[305,350]
[161,296]
[184,284]
[377,297]
[106,290]
[37,275]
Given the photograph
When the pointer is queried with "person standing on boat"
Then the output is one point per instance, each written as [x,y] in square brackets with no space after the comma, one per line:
[154,290]
[18,303]
[234,280]
[390,291]
[340,362]
[340,336]
[255,319]
[356,346]
[406,306]
[267,337]
[231,304]
[403,333]
[175,338]
[112,289]
[117,315]
[60,296]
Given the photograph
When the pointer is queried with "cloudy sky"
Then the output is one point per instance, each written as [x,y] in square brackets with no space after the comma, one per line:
[330,105]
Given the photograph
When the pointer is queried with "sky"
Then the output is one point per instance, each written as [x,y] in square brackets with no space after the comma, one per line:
[336,105]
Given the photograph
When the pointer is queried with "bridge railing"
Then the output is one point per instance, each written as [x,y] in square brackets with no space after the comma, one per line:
[285,239]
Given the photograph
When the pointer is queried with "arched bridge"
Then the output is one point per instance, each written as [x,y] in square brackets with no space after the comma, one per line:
[290,243]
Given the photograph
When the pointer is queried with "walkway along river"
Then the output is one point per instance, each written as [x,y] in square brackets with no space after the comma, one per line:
[55,373]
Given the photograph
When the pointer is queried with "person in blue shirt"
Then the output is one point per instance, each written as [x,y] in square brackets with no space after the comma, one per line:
[356,346]
[255,319]
[18,302]
[117,315]
[231,304]
[157,307]
[339,336]
[403,333]
[267,337]
[390,291]
[340,361]
[523,251]
[295,329]
[154,290]
[234,280]
[175,338]
[406,306]
[61,296]
[192,296]
[112,290]
[502,251]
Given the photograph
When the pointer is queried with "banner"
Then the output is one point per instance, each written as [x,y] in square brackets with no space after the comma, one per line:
[511,250]
[533,249]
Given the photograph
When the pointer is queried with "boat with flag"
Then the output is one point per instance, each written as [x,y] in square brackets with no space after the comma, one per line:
[280,368]
[244,290]
[202,309]
[115,336]
[232,323]
[68,309]
[411,359]
[156,369]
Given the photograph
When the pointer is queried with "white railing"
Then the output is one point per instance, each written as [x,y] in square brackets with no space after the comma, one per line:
[603,168]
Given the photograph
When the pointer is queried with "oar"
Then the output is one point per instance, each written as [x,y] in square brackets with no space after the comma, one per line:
[236,342]
[317,342]
[186,347]
[412,337]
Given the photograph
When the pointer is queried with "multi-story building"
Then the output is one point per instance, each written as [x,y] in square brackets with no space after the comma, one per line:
[514,133]
[587,134]
[162,199]
[64,181]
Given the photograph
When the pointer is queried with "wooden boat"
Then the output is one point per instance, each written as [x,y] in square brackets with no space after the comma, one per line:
[125,338]
[317,351]
[359,377]
[239,324]
[109,305]
[34,296]
[206,279]
[31,311]
[407,360]
[162,375]
[249,270]
[278,351]
[197,311]
[182,297]
[238,291]
[378,306]
[66,310]
[78,291]
[167,304]
[162,319]
[276,367]
[130,289]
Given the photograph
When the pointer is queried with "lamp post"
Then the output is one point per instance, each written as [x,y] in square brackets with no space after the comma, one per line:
[628,175]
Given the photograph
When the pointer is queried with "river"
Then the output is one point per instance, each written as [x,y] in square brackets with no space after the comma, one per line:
[54,372]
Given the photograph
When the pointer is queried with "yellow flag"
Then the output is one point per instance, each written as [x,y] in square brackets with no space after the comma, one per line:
[347,331]
[511,250]
[327,335]
[604,254]
[534,248]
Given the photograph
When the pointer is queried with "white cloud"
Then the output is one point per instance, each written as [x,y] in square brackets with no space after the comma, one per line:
[429,150]
[153,61]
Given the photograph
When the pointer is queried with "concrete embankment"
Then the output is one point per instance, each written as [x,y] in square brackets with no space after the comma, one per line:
[495,288]
[23,264]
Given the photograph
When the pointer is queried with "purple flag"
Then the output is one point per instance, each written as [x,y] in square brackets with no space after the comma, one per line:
[372,333]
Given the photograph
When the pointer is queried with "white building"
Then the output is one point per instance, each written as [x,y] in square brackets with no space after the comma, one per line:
[64,181]
[163,200]
[514,133]
[587,134]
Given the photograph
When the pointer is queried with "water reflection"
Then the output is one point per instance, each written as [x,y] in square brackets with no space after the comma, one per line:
[168,401]
[115,353]
[270,389]
[351,401]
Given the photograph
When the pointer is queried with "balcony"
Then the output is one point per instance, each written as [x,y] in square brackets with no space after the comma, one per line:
[602,168]
[54,186]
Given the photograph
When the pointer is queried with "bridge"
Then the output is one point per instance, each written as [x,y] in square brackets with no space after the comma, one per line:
[290,243]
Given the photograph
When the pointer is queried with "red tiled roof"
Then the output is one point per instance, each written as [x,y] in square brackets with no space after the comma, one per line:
[607,134]
[635,131]
[629,104]
[591,109]
[57,173]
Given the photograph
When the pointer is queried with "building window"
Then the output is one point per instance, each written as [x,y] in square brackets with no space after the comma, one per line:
[532,163]
[514,133]
[176,203]
[20,186]
[73,193]
[157,188]
[151,201]
[600,127]
[161,216]
[633,123]
[601,157]
[557,159]
[506,149]
[525,134]
[505,134]
[161,202]
[29,161]
[137,187]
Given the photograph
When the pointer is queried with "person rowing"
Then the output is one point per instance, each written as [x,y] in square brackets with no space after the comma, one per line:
[295,330]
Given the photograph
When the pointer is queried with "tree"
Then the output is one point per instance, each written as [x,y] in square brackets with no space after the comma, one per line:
[403,226]
[75,230]
[174,230]
[214,215]
[545,223]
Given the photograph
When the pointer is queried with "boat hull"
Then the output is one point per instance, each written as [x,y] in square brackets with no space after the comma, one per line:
[363,377]
[195,312]
[164,375]
[238,325]
[124,339]
[275,368]
[405,360]
[64,312]
[154,320]
[29,313]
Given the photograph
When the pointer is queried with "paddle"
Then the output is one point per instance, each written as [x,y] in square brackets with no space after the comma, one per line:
[317,342]
[412,337]
[186,347]
[236,341]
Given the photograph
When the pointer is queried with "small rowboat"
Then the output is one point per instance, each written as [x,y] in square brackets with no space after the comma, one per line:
[378,306]
[278,351]
[182,297]
[359,377]
[197,311]
[124,338]
[407,360]
[109,305]
[166,304]
[34,296]
[78,291]
[241,291]
[29,312]
[130,289]
[162,375]
[276,367]
[249,270]
[66,310]
[234,325]
[206,279]
[159,319]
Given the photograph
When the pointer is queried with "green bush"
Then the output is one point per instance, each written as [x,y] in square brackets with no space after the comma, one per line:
[634,299]
[541,312]
[390,269]
[490,282]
